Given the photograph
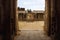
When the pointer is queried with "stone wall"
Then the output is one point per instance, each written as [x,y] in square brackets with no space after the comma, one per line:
[31,17]
[7,19]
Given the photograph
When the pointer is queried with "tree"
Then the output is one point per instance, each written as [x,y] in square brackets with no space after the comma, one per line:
[18,8]
[29,10]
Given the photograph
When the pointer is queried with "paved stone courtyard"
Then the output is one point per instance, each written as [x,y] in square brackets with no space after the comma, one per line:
[32,35]
[31,31]
[35,25]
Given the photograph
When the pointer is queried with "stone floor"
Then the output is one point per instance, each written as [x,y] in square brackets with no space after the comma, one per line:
[32,35]
[35,25]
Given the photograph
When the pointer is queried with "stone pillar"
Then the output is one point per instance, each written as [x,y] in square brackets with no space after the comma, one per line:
[57,11]
[47,16]
[53,19]
[1,20]
[8,18]
[14,17]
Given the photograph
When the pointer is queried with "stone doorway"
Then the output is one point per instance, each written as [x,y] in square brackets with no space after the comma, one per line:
[29,17]
[27,29]
[9,15]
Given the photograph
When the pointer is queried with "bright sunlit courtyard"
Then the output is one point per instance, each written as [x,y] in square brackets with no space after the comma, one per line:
[35,25]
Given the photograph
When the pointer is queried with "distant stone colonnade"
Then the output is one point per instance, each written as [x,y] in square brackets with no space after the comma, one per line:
[31,16]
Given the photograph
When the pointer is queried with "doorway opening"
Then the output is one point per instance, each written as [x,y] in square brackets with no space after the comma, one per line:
[31,14]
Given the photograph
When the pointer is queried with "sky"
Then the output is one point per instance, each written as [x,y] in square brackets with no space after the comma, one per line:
[31,4]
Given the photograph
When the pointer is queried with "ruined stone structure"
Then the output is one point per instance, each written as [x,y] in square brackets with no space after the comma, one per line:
[8,19]
[24,15]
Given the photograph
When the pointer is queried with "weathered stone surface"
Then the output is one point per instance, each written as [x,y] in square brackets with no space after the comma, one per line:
[35,25]
[32,35]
